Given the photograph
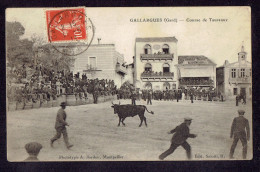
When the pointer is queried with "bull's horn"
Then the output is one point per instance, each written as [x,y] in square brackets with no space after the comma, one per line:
[112,102]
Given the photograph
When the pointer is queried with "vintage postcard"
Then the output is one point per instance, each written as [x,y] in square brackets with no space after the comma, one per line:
[129,84]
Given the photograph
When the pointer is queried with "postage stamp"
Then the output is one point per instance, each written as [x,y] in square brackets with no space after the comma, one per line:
[69,26]
[66,25]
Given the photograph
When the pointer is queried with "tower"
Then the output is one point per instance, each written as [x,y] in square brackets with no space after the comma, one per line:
[242,54]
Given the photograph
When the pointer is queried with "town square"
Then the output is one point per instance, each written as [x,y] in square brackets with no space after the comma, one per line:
[88,89]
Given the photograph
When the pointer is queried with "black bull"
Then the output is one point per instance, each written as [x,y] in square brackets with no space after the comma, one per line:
[124,111]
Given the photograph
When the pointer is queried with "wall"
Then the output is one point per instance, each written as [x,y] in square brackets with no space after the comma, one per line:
[106,58]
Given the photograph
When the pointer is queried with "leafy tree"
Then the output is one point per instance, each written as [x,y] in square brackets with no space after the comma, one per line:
[19,51]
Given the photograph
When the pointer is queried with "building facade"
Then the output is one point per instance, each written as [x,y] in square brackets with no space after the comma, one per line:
[101,61]
[196,71]
[154,62]
[235,78]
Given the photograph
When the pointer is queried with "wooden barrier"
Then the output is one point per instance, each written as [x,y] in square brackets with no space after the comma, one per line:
[71,100]
[11,106]
[36,105]
[28,105]
[20,106]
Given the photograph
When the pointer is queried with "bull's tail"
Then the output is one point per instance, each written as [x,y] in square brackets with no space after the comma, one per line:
[148,111]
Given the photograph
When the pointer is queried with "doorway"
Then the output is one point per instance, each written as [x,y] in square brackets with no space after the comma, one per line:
[242,91]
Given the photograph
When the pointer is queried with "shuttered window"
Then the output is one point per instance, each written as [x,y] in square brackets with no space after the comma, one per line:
[92,62]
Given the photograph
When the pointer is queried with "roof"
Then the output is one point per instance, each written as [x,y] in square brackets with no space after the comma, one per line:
[192,60]
[71,44]
[156,39]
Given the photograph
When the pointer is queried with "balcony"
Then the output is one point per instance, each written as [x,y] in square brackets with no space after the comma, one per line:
[121,69]
[196,82]
[165,57]
[157,76]
[245,80]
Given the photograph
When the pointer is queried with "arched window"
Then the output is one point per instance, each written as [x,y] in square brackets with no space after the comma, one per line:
[148,67]
[147,49]
[166,68]
[148,85]
[165,49]
[166,86]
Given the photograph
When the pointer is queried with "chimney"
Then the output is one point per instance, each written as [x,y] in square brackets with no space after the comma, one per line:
[242,48]
[99,40]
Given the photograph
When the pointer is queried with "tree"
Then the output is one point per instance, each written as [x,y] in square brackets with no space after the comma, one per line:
[19,51]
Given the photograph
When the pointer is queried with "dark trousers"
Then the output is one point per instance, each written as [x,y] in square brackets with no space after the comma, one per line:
[63,131]
[242,137]
[236,102]
[149,100]
[133,102]
[172,148]
[191,100]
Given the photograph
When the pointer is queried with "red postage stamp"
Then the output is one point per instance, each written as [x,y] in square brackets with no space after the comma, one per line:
[66,25]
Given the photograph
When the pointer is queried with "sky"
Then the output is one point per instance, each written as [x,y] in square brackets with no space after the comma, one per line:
[218,41]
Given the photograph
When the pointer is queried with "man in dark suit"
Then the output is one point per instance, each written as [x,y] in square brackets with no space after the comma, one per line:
[149,97]
[133,97]
[60,126]
[191,97]
[238,127]
[237,99]
[182,133]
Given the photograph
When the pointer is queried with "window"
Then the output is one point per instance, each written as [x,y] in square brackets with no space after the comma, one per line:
[92,62]
[233,73]
[165,49]
[147,49]
[166,68]
[148,67]
[234,91]
[166,86]
[242,73]
[148,85]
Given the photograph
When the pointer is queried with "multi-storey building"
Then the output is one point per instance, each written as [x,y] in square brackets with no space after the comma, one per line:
[154,62]
[196,71]
[235,78]
[101,61]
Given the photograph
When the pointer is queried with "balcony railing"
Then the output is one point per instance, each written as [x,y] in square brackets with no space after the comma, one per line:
[197,82]
[157,56]
[241,80]
[157,75]
[121,69]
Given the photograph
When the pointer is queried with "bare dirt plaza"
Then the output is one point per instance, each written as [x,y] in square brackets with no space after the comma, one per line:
[94,133]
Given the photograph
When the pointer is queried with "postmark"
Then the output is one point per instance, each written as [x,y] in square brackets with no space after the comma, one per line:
[69,28]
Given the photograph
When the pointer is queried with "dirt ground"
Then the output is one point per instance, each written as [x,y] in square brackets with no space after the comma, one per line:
[94,133]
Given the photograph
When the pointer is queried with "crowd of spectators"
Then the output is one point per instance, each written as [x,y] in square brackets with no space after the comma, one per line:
[43,84]
[170,95]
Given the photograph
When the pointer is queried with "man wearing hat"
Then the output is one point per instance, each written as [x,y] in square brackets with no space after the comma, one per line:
[182,133]
[238,127]
[33,149]
[60,126]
